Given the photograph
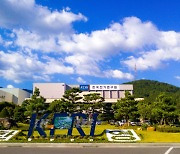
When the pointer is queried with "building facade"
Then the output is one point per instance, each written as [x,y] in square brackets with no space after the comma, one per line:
[110,92]
[14,95]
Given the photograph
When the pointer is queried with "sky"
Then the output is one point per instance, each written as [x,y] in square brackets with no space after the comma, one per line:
[89,41]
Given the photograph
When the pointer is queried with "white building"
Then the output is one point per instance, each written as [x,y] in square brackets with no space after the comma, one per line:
[110,92]
[14,95]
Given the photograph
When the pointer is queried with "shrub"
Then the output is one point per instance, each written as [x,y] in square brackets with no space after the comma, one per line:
[141,136]
[1,127]
[144,126]
[165,128]
[21,134]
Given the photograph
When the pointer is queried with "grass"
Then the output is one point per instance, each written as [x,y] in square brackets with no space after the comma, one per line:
[157,137]
[100,136]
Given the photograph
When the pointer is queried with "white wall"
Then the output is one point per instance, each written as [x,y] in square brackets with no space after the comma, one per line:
[51,90]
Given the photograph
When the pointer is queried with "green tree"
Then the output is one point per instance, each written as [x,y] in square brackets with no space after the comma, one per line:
[126,108]
[36,92]
[4,113]
[7,109]
[18,114]
[164,109]
[71,98]
[94,102]
[59,106]
[144,109]
[34,105]
[6,104]
[107,113]
[150,89]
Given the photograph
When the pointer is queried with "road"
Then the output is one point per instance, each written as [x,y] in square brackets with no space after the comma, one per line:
[90,150]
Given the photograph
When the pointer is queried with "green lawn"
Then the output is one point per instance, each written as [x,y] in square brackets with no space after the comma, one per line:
[155,136]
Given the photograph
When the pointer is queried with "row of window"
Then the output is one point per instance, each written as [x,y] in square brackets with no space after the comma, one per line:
[112,94]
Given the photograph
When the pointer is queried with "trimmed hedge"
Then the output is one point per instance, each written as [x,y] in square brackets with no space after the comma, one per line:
[170,129]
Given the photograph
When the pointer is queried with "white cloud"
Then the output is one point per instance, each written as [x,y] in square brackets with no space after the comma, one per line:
[20,67]
[167,47]
[131,35]
[153,59]
[37,28]
[148,60]
[149,47]
[119,75]
[54,66]
[1,40]
[10,86]
[27,14]
[34,41]
[80,80]
[177,77]
[84,65]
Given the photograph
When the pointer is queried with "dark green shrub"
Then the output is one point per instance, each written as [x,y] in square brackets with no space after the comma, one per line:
[170,129]
[21,134]
[144,126]
[1,127]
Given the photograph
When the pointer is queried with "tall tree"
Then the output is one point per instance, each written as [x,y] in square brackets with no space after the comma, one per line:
[18,114]
[144,109]
[107,113]
[94,102]
[59,106]
[34,105]
[164,109]
[72,98]
[126,108]
[7,109]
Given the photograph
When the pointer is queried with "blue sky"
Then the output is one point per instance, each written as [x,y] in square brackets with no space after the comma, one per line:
[89,41]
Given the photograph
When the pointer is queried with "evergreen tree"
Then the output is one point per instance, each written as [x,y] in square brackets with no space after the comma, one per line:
[4,113]
[107,113]
[164,109]
[34,105]
[144,109]
[59,106]
[94,102]
[71,99]
[18,114]
[126,108]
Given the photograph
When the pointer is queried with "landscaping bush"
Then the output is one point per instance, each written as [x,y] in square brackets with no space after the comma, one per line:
[1,127]
[165,128]
[144,126]
[104,123]
[22,134]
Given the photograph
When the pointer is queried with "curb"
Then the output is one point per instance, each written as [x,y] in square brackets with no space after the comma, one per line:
[94,145]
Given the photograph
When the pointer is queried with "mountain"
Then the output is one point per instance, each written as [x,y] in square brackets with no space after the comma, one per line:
[150,89]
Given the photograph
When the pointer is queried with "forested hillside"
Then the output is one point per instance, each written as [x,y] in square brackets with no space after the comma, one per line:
[151,89]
